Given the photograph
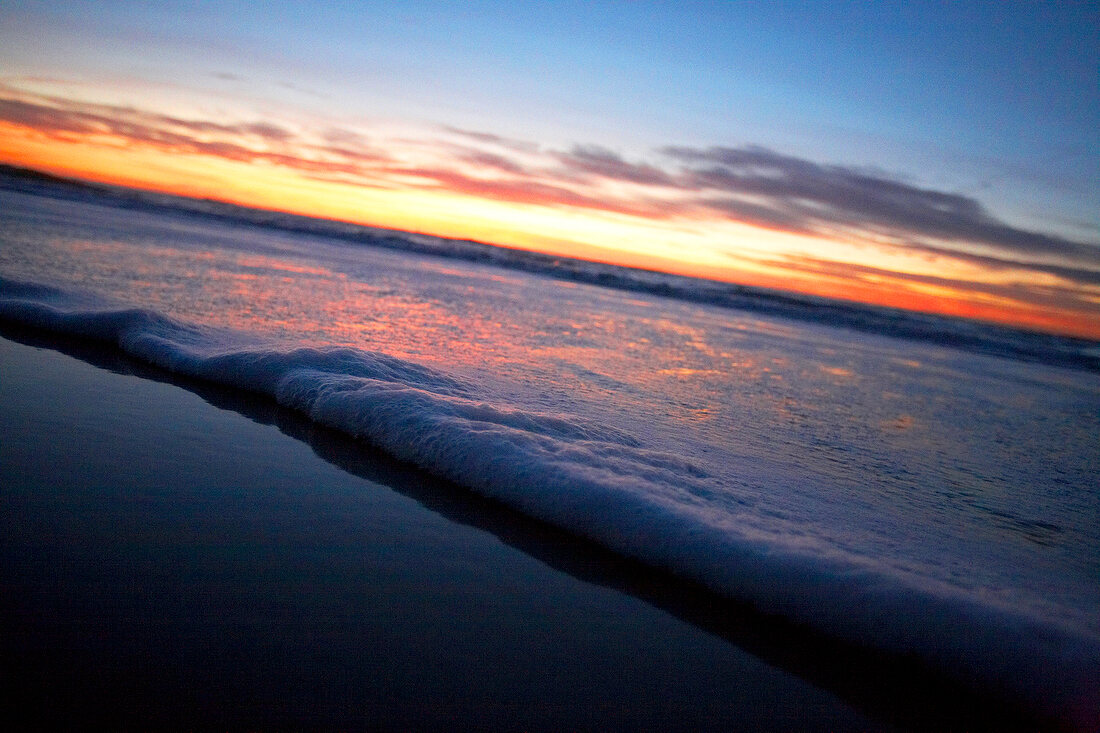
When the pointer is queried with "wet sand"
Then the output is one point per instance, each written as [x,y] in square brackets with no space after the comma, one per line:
[175,555]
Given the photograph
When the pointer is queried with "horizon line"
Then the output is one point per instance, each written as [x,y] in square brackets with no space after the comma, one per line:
[551,261]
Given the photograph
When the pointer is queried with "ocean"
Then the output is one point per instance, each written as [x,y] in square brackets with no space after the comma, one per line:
[923,486]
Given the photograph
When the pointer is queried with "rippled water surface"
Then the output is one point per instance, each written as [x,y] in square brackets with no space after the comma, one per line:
[964,473]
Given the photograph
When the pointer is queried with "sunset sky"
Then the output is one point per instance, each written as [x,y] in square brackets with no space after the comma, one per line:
[938,156]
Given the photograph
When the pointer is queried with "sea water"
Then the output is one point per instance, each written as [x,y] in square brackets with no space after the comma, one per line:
[922,485]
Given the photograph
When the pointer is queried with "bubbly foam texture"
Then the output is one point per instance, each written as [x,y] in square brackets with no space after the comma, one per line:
[604,484]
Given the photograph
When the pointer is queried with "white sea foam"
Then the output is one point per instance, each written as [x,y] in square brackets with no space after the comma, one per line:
[605,484]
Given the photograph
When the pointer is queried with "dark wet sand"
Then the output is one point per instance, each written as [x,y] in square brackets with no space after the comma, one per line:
[175,555]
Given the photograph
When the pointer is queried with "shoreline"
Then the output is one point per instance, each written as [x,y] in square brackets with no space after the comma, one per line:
[701,648]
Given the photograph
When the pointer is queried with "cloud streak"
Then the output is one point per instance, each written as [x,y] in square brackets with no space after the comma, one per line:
[593,160]
[803,196]
[1067,299]
[247,142]
[525,190]
[750,185]
[1079,275]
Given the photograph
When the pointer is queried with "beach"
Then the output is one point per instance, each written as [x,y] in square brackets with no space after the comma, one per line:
[178,556]
[635,366]
[172,564]
[291,475]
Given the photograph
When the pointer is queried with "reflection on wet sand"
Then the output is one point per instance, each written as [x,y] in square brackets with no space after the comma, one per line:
[895,691]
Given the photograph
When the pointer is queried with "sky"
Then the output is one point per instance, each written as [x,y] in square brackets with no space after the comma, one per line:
[936,156]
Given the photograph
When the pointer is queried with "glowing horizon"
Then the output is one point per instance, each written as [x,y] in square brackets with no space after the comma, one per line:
[755,214]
